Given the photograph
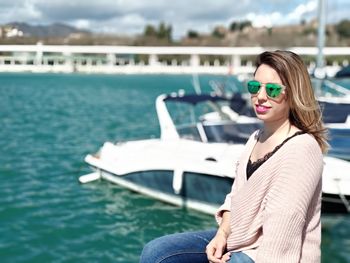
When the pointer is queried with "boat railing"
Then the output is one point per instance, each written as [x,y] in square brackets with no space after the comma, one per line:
[340,89]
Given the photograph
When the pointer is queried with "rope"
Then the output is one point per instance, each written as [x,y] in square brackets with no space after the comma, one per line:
[342,197]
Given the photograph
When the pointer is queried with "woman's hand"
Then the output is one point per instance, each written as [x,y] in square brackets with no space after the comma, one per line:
[216,248]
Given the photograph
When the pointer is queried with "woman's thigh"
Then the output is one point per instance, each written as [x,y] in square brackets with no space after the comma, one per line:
[239,257]
[182,247]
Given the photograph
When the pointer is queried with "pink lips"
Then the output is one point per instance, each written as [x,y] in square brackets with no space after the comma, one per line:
[261,109]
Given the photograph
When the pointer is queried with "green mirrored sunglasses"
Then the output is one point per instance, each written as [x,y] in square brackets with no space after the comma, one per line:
[273,90]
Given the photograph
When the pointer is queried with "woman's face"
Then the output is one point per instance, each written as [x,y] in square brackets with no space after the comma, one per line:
[269,109]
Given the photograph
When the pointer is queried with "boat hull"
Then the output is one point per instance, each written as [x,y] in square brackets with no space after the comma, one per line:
[200,192]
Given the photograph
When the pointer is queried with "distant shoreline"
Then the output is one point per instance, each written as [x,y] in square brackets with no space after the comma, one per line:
[150,60]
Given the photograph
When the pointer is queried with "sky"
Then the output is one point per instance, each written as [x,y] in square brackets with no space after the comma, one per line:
[129,17]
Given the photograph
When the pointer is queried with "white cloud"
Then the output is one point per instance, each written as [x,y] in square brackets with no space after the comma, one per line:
[130,16]
[301,11]
[82,24]
[266,20]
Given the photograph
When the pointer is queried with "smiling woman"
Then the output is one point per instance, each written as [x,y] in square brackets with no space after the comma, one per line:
[272,213]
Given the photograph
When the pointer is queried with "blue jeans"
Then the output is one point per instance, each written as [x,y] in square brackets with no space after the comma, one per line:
[188,247]
[240,257]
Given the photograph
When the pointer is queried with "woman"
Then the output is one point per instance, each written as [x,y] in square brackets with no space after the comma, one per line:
[273,211]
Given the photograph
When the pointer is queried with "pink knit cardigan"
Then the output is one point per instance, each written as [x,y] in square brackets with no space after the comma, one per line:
[275,215]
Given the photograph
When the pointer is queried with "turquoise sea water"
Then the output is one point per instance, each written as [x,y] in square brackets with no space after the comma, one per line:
[48,124]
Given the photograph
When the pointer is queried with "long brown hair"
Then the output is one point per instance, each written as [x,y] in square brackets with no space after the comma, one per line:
[305,111]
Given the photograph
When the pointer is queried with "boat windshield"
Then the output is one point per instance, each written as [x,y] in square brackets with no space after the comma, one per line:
[188,115]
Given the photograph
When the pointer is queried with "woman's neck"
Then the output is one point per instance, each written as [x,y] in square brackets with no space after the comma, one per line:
[276,129]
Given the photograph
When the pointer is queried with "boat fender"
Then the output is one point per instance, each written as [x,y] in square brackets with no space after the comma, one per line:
[177,181]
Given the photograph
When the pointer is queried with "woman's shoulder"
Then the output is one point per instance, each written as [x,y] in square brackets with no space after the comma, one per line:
[304,145]
[301,155]
[307,140]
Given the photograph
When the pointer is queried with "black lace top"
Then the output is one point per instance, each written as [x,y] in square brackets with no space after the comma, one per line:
[253,166]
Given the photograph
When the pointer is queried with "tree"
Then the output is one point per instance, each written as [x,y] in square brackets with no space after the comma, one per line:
[343,28]
[219,32]
[150,31]
[163,31]
[269,31]
[192,34]
[245,24]
[170,32]
[235,26]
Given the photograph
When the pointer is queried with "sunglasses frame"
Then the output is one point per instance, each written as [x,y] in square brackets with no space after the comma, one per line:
[283,87]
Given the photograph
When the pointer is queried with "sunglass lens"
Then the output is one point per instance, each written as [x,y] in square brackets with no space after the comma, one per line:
[273,90]
[253,86]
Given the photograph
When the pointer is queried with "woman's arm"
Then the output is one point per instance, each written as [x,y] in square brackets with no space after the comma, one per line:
[217,246]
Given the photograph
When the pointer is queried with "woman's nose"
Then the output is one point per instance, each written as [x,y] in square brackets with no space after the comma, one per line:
[262,93]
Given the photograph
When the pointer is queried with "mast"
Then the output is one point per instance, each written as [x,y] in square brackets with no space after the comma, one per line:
[321,33]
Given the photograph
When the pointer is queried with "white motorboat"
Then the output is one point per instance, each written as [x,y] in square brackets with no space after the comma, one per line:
[183,168]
